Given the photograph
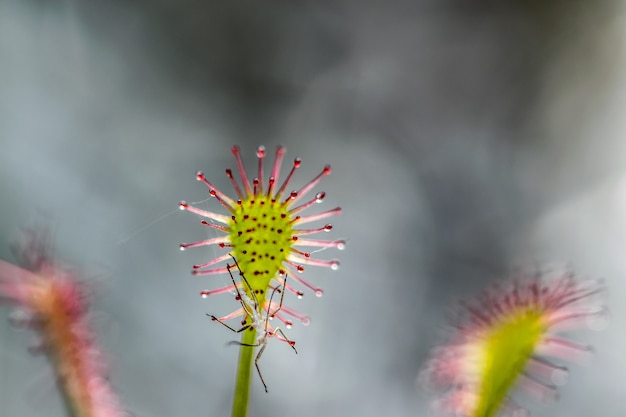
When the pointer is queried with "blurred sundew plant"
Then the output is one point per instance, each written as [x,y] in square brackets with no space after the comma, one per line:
[50,299]
[262,233]
[503,338]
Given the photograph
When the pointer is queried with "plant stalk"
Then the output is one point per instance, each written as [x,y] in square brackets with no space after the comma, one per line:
[244,370]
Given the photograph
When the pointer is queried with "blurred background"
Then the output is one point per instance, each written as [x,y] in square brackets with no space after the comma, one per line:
[466,137]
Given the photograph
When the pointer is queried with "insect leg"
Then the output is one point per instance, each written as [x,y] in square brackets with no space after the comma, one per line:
[283,337]
[256,363]
[235,342]
[247,326]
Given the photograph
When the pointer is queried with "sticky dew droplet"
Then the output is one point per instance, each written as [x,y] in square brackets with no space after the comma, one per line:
[319,292]
[559,376]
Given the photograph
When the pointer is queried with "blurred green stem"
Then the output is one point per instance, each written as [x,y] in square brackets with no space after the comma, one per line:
[72,408]
[244,368]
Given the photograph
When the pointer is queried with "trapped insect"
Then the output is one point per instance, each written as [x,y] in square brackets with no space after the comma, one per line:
[256,317]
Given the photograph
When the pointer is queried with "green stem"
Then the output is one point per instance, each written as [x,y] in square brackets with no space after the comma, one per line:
[70,406]
[244,368]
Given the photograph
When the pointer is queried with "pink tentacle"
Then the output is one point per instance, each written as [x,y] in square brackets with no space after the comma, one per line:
[225,200]
[242,170]
[304,190]
[208,214]
[313,217]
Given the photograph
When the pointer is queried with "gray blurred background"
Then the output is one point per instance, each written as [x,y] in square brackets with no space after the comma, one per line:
[466,137]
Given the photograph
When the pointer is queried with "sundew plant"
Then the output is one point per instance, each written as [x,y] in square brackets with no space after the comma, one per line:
[51,299]
[508,337]
[263,231]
